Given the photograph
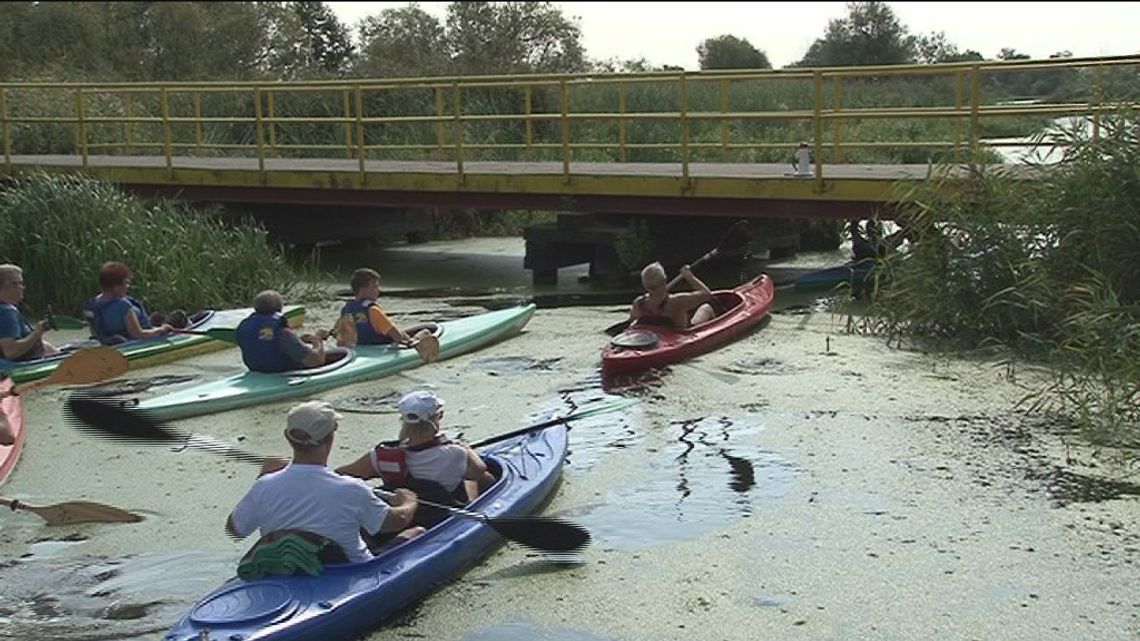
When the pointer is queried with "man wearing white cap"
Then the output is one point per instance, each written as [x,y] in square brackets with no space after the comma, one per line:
[306,495]
[423,459]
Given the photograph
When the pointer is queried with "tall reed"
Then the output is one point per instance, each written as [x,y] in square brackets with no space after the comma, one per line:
[61,228]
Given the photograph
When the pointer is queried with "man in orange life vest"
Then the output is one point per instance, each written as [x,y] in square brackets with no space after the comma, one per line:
[425,461]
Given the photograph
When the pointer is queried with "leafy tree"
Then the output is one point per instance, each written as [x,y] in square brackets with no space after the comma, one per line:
[306,38]
[870,35]
[730,52]
[402,42]
[513,37]
[936,47]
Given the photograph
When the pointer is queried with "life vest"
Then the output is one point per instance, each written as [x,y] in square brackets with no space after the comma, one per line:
[391,461]
[654,316]
[37,350]
[365,333]
[257,337]
[108,330]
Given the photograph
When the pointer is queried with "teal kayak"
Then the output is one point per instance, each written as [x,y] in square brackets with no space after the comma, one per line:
[361,363]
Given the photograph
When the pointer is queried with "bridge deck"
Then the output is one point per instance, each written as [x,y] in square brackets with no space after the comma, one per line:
[711,188]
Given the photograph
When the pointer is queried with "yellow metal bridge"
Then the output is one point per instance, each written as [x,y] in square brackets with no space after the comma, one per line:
[694,143]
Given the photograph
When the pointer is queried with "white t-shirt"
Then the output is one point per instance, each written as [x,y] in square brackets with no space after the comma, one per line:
[316,499]
[446,464]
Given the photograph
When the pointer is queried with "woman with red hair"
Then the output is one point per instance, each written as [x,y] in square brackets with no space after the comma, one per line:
[115,317]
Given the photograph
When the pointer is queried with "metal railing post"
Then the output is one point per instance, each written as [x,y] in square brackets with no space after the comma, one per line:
[260,131]
[723,120]
[81,125]
[198,121]
[440,127]
[128,124]
[622,153]
[975,110]
[837,124]
[959,89]
[529,124]
[4,128]
[164,109]
[271,117]
[458,132]
[817,129]
[347,124]
[1098,95]
[565,130]
[360,152]
[684,106]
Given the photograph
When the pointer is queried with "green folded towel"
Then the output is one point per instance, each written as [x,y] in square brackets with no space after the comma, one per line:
[289,554]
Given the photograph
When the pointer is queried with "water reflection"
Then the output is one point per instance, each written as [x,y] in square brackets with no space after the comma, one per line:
[701,481]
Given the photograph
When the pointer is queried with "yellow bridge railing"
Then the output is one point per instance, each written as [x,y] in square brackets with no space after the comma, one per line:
[849,114]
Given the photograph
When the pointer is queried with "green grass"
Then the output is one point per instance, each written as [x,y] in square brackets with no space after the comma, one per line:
[60,229]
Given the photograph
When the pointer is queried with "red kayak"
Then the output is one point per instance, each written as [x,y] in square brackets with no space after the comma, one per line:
[12,409]
[645,345]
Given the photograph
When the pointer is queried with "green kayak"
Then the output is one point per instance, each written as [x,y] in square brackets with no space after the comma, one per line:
[214,331]
[361,363]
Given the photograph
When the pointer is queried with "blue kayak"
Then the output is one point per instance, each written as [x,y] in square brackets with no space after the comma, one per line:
[851,273]
[348,600]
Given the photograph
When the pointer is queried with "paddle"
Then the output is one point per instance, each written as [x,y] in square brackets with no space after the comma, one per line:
[84,365]
[112,419]
[734,239]
[73,512]
[427,346]
[590,409]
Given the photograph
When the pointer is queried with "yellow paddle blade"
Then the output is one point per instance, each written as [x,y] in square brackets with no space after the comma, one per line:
[74,512]
[90,365]
[428,348]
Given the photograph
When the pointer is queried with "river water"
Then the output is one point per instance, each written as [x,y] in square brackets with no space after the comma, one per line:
[805,482]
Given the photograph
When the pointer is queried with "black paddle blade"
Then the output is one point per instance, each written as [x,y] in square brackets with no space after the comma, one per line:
[109,418]
[542,533]
[736,237]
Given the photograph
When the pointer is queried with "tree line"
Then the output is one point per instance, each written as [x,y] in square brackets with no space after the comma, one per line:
[174,41]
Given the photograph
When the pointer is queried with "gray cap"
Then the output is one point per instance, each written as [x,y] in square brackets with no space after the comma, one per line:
[310,423]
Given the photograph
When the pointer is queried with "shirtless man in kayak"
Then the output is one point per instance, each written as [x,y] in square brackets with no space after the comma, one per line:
[658,302]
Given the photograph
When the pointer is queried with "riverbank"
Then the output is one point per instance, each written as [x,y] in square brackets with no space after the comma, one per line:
[801,483]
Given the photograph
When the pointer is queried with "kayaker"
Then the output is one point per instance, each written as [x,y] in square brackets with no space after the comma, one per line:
[7,436]
[425,460]
[269,345]
[305,495]
[19,340]
[658,303]
[115,317]
[363,322]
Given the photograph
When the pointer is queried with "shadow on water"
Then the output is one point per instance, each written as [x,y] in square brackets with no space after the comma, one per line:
[700,482]
[94,598]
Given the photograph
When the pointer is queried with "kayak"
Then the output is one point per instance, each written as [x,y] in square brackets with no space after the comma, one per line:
[348,600]
[645,345]
[360,363]
[146,352]
[851,273]
[12,408]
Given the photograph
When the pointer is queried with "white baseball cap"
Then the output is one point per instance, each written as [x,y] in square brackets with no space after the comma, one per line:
[419,407]
[310,423]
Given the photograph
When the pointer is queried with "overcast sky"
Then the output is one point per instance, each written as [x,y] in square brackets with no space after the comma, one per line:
[669,32]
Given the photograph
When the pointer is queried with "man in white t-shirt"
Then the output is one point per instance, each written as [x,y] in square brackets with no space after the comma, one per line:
[306,495]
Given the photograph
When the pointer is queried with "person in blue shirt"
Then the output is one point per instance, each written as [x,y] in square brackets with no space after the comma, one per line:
[113,316]
[268,345]
[19,340]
